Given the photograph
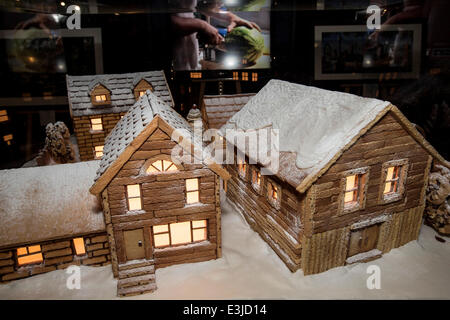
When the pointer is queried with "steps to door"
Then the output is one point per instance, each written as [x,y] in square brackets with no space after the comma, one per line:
[136,277]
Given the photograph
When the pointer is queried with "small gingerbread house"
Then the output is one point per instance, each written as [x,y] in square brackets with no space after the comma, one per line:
[97,102]
[351,179]
[49,220]
[158,211]
[218,109]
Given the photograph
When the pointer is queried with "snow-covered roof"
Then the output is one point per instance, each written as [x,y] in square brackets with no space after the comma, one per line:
[219,109]
[314,124]
[121,87]
[51,202]
[118,143]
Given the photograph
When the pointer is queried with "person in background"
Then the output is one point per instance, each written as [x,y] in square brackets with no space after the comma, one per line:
[185,27]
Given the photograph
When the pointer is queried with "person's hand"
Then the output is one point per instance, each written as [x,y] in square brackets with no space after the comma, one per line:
[236,21]
[212,34]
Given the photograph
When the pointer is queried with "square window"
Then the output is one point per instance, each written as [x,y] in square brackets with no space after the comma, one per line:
[96,124]
[100,98]
[98,152]
[29,255]
[180,233]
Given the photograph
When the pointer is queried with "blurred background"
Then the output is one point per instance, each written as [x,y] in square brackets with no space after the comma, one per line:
[323,43]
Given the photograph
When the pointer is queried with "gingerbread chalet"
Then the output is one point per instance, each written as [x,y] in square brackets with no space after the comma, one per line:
[97,102]
[351,181]
[157,212]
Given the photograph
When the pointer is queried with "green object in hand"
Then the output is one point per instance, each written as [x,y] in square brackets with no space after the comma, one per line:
[247,43]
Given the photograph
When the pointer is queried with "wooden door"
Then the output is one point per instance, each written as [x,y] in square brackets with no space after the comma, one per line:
[134,244]
[363,240]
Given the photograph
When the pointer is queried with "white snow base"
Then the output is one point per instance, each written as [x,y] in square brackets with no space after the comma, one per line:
[250,269]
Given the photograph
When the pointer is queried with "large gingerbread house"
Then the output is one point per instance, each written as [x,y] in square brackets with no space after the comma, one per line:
[158,211]
[351,180]
[97,103]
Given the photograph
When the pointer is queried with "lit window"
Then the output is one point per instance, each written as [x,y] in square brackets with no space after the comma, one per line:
[78,244]
[391,184]
[134,197]
[256,179]
[235,75]
[196,75]
[242,168]
[254,76]
[179,233]
[98,152]
[141,93]
[352,184]
[141,88]
[3,116]
[29,255]
[100,98]
[161,166]
[96,124]
[8,138]
[273,194]
[244,76]
[192,193]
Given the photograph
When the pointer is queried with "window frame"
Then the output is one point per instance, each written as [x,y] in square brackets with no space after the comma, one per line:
[244,76]
[169,233]
[242,173]
[192,191]
[128,198]
[256,186]
[100,90]
[142,86]
[96,157]
[75,247]
[403,165]
[362,176]
[34,253]
[276,203]
[93,124]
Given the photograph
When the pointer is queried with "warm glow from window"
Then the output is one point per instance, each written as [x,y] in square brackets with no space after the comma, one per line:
[242,167]
[8,138]
[245,76]
[273,193]
[161,166]
[192,193]
[98,151]
[196,75]
[254,76]
[256,178]
[29,255]
[3,116]
[134,197]
[179,233]
[235,75]
[392,179]
[100,98]
[141,93]
[351,188]
[96,124]
[78,244]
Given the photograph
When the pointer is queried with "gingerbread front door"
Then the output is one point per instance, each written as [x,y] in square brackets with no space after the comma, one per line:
[134,244]
[363,240]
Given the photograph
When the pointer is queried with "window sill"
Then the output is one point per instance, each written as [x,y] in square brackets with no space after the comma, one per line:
[134,212]
[350,208]
[203,243]
[364,257]
[96,131]
[391,198]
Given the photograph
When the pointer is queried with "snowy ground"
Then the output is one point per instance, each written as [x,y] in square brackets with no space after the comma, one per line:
[249,269]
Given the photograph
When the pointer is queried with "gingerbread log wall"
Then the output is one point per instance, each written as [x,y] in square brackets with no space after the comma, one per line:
[87,138]
[57,254]
[399,220]
[280,228]
[163,202]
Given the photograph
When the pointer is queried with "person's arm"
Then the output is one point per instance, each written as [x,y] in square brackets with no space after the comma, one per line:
[230,18]
[185,26]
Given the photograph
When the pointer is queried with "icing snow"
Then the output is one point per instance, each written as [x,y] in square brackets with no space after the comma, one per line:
[250,269]
[42,203]
[313,123]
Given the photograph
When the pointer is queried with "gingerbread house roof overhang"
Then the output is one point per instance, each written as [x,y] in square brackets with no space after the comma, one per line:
[121,88]
[143,118]
[218,109]
[46,203]
[315,126]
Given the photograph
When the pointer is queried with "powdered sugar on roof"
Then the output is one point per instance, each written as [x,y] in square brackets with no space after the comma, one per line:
[313,123]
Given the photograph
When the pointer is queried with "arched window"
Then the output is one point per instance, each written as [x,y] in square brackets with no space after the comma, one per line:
[161,166]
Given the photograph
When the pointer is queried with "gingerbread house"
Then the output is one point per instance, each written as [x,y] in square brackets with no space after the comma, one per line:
[97,102]
[351,179]
[158,211]
[49,220]
[216,110]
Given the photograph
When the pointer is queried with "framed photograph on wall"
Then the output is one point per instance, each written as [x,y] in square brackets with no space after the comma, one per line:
[354,52]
